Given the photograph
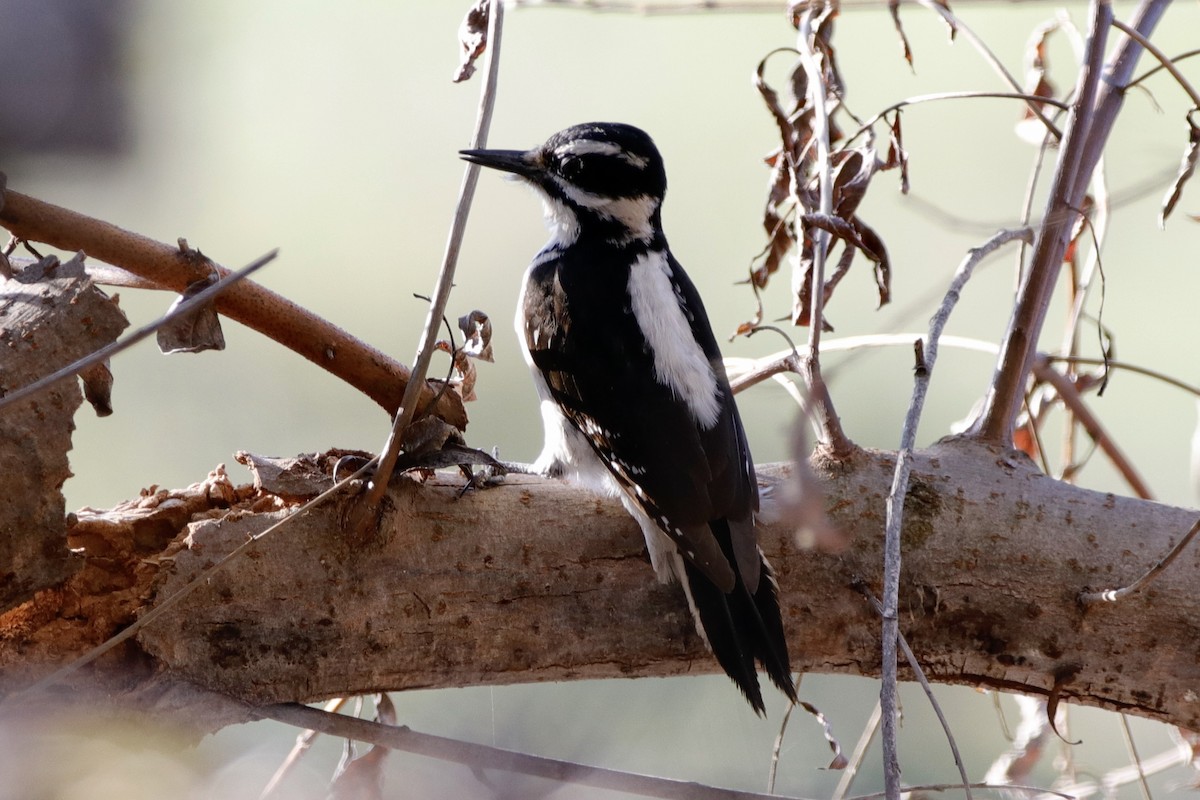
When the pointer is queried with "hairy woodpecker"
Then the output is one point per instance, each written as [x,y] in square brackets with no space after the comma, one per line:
[634,396]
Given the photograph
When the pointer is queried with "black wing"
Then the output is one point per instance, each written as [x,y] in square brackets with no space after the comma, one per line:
[600,372]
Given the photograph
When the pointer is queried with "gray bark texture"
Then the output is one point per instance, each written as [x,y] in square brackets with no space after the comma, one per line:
[537,580]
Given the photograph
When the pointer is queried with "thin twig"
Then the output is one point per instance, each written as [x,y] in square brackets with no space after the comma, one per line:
[1091,423]
[746,372]
[1133,754]
[777,748]
[482,756]
[943,10]
[939,96]
[1161,66]
[1115,365]
[833,434]
[859,754]
[1163,59]
[201,579]
[124,343]
[895,502]
[1113,595]
[304,741]
[445,280]
[911,658]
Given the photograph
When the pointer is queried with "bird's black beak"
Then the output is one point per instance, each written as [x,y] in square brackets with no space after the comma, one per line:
[518,162]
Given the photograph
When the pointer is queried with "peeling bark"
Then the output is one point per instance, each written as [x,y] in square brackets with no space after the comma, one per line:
[50,316]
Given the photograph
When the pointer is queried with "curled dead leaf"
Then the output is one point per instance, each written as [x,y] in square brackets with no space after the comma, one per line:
[472,39]
[97,387]
[1186,167]
[196,330]
[476,328]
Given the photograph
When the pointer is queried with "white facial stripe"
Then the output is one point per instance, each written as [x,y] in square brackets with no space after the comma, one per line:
[679,361]
[633,212]
[584,147]
[634,160]
[561,220]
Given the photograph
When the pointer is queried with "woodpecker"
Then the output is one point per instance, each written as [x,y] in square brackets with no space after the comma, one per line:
[634,398]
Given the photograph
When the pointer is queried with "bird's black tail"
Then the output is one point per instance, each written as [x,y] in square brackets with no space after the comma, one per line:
[743,628]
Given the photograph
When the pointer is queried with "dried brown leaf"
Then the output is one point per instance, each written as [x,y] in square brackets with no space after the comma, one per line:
[749,326]
[1031,128]
[781,238]
[894,10]
[477,332]
[97,387]
[839,760]
[873,243]
[783,119]
[843,266]
[852,173]
[197,330]
[464,371]
[472,39]
[897,156]
[1186,168]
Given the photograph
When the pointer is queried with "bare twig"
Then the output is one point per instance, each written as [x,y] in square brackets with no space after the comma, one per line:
[1163,59]
[1091,423]
[445,280]
[895,504]
[108,351]
[1161,66]
[1133,754]
[1113,595]
[304,741]
[833,435]
[1115,365]
[943,10]
[859,754]
[911,658]
[482,756]
[939,96]
[375,374]
[777,748]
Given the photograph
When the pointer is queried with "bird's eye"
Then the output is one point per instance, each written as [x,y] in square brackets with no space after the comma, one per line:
[571,167]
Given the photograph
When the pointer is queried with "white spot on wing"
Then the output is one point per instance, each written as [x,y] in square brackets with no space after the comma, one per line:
[679,361]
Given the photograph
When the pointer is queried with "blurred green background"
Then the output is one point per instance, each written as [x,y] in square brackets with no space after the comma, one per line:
[330,130]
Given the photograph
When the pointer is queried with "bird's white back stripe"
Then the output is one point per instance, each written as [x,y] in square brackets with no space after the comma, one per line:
[679,361]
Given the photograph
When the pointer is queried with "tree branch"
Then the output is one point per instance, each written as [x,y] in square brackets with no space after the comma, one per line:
[370,371]
[539,580]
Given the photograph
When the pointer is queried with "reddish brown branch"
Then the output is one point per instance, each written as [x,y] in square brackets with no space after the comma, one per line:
[1067,392]
[373,373]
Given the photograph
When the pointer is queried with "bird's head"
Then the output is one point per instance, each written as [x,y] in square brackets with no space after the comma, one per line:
[600,178]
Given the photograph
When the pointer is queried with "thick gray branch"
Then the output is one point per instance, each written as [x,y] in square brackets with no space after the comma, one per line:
[537,580]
